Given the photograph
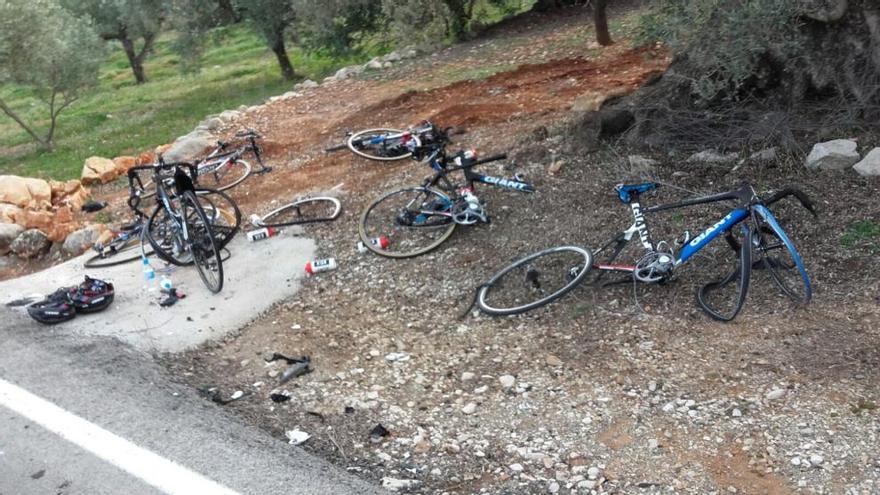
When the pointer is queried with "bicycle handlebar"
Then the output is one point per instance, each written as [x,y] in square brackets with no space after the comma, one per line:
[801,196]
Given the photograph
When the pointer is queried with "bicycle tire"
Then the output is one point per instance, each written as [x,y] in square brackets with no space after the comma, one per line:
[741,274]
[279,216]
[390,232]
[571,282]
[236,171]
[785,283]
[359,137]
[166,239]
[115,257]
[202,243]
[225,218]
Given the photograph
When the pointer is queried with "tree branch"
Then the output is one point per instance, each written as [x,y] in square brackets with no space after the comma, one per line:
[11,113]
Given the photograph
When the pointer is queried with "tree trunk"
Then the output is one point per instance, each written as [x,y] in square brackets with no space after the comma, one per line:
[458,23]
[21,123]
[135,60]
[283,60]
[226,12]
[600,18]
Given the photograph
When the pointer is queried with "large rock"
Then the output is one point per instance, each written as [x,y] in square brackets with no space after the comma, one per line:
[81,240]
[8,233]
[230,115]
[190,146]
[833,155]
[25,192]
[870,165]
[146,158]
[307,84]
[30,219]
[30,244]
[98,170]
[10,213]
[346,72]
[713,157]
[124,164]
[68,194]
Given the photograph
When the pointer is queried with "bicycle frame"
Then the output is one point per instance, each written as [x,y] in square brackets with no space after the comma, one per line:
[470,177]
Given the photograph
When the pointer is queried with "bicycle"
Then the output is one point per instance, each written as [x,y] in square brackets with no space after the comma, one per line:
[185,227]
[418,219]
[301,211]
[222,168]
[384,144]
[122,248]
[543,277]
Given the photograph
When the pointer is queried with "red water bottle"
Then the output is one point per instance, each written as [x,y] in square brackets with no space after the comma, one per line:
[318,266]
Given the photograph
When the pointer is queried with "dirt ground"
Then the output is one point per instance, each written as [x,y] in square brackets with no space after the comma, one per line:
[616,390]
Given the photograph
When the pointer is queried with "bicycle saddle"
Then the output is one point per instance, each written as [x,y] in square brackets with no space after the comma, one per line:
[626,191]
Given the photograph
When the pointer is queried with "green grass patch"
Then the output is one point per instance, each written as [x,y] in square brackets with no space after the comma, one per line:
[860,233]
[118,117]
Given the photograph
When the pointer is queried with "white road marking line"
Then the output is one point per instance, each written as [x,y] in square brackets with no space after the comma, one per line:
[166,475]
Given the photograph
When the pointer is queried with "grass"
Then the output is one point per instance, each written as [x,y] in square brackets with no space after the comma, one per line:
[118,117]
[862,232]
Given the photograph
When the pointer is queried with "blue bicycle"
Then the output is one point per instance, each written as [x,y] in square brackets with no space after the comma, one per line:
[750,229]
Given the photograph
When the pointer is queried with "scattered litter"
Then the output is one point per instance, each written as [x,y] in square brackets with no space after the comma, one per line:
[237,395]
[213,394]
[172,297]
[349,410]
[299,368]
[279,398]
[397,357]
[380,242]
[93,206]
[297,436]
[318,266]
[396,485]
[378,433]
[264,233]
[39,474]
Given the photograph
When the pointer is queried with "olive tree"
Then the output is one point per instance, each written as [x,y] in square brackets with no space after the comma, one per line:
[130,22]
[48,50]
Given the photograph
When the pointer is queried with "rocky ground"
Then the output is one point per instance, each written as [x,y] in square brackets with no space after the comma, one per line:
[616,390]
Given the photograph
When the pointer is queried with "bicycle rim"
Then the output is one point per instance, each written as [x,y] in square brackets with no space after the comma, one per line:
[222,212]
[534,281]
[780,258]
[201,243]
[723,299]
[227,175]
[404,217]
[309,210]
[166,238]
[387,150]
[128,252]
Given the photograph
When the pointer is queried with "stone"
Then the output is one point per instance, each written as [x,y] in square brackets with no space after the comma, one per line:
[767,155]
[98,170]
[870,165]
[713,157]
[553,487]
[347,72]
[422,447]
[25,192]
[775,394]
[833,155]
[230,115]
[8,233]
[507,382]
[36,219]
[307,84]
[392,57]
[467,376]
[409,53]
[146,158]
[211,124]
[374,64]
[469,408]
[552,360]
[10,213]
[641,163]
[81,240]
[124,164]
[516,467]
[592,101]
[189,146]
[162,149]
[736,413]
[816,460]
[398,485]
[795,461]
[555,167]
[30,244]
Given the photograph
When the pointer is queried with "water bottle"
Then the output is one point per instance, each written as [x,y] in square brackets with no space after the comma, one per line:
[149,273]
[264,233]
[165,284]
[380,242]
[317,266]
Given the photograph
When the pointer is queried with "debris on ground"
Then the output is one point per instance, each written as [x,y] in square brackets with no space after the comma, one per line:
[297,436]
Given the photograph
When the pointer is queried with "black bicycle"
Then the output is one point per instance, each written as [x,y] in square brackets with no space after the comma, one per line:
[415,220]
[760,243]
[184,230]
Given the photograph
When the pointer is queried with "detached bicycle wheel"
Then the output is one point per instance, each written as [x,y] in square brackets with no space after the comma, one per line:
[376,144]
[308,210]
[780,258]
[723,299]
[201,242]
[112,255]
[415,220]
[534,281]
[223,174]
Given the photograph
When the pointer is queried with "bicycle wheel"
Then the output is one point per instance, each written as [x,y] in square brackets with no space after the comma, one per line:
[223,174]
[201,242]
[415,220]
[534,281]
[222,212]
[780,258]
[723,299]
[375,144]
[165,235]
[308,210]
[112,255]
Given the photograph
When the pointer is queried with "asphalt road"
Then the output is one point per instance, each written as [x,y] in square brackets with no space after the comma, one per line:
[90,415]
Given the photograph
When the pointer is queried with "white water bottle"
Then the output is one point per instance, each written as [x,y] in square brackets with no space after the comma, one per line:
[149,273]
[317,266]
